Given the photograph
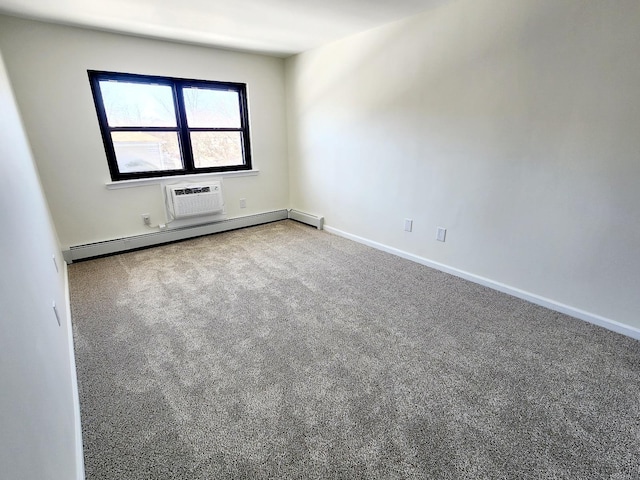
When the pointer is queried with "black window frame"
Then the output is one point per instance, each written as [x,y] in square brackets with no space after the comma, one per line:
[182,128]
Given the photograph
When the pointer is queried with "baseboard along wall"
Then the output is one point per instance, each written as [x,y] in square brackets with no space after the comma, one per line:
[516,292]
[74,383]
[307,218]
[82,252]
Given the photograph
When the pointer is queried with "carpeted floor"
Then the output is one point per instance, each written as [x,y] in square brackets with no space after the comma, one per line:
[280,351]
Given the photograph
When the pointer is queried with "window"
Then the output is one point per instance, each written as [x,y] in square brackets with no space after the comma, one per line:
[159,126]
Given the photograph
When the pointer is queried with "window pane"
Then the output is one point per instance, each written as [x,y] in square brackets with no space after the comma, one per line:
[208,108]
[216,149]
[146,151]
[138,105]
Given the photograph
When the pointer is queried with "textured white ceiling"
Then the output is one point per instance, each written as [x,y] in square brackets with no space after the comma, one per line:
[280,27]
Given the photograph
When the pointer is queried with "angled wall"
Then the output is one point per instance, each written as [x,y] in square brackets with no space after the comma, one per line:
[38,403]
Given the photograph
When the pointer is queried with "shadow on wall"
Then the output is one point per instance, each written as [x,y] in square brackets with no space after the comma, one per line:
[512,125]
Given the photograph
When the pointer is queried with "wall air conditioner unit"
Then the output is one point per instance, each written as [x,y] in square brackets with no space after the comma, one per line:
[185,201]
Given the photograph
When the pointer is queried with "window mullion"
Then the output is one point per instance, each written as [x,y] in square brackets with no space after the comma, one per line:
[215,129]
[183,129]
[143,129]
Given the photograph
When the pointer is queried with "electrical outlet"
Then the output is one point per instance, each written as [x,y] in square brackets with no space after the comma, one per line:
[408,224]
[441,234]
[243,203]
[146,218]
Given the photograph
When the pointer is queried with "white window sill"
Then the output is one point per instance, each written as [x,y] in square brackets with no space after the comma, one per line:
[141,182]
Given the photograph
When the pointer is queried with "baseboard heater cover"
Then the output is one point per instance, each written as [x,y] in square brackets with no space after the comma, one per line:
[313,220]
[81,252]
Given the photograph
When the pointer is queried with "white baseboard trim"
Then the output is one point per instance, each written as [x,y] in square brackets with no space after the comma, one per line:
[516,292]
[108,247]
[80,475]
[307,218]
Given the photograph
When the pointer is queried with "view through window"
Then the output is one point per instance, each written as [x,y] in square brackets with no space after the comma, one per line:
[157,126]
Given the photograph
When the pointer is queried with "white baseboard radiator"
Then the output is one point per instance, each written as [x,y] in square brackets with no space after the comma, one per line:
[195,210]
[81,252]
[309,219]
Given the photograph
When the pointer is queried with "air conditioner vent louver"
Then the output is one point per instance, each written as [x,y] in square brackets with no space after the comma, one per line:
[190,191]
[195,200]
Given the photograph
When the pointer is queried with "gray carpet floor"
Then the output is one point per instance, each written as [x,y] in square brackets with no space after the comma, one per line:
[280,351]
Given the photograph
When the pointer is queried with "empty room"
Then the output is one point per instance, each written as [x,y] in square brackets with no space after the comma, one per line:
[320,240]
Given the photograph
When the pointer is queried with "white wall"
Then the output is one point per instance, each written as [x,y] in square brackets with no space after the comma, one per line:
[48,68]
[37,402]
[515,125]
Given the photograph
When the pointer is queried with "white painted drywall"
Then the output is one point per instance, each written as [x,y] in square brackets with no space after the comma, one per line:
[48,66]
[515,125]
[37,417]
